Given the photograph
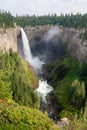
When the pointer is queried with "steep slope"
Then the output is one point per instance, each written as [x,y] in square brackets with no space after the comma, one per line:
[8,39]
[13,116]
[16,81]
[20,79]
[69,98]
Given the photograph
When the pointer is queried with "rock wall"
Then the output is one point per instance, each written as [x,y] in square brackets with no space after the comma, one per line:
[8,39]
[46,42]
[47,36]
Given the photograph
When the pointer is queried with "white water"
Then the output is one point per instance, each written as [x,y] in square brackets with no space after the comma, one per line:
[35,62]
[43,89]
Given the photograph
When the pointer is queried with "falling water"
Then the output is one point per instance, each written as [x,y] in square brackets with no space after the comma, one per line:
[35,62]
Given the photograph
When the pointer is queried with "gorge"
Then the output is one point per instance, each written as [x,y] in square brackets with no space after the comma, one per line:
[45,40]
[58,56]
[52,45]
[35,62]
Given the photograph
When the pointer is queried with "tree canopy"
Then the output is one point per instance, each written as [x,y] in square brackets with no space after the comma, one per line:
[67,20]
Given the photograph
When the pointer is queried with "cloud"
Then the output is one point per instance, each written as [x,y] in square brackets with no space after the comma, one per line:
[41,7]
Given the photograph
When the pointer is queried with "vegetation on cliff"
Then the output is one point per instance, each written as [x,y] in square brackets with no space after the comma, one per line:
[17,79]
[6,19]
[16,117]
[67,20]
[69,78]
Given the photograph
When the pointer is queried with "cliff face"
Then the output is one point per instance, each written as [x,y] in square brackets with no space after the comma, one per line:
[76,44]
[8,39]
[49,40]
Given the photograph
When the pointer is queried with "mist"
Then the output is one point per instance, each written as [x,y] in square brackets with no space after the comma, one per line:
[49,46]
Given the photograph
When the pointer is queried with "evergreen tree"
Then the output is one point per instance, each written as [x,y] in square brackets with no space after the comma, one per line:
[15,80]
[5,89]
[77,93]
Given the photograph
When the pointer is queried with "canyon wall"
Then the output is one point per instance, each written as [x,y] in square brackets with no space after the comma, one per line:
[8,39]
[47,42]
[54,40]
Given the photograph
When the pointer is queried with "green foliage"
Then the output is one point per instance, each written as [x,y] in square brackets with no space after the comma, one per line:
[83,73]
[5,89]
[21,117]
[32,77]
[77,93]
[67,20]
[71,20]
[78,125]
[68,92]
[61,92]
[70,113]
[6,20]
[15,81]
[84,114]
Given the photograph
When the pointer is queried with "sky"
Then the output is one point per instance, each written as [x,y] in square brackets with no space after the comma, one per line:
[41,7]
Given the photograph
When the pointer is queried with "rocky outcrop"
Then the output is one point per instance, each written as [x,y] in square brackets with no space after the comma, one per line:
[8,39]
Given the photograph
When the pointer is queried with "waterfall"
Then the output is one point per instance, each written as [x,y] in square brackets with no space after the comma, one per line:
[35,62]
